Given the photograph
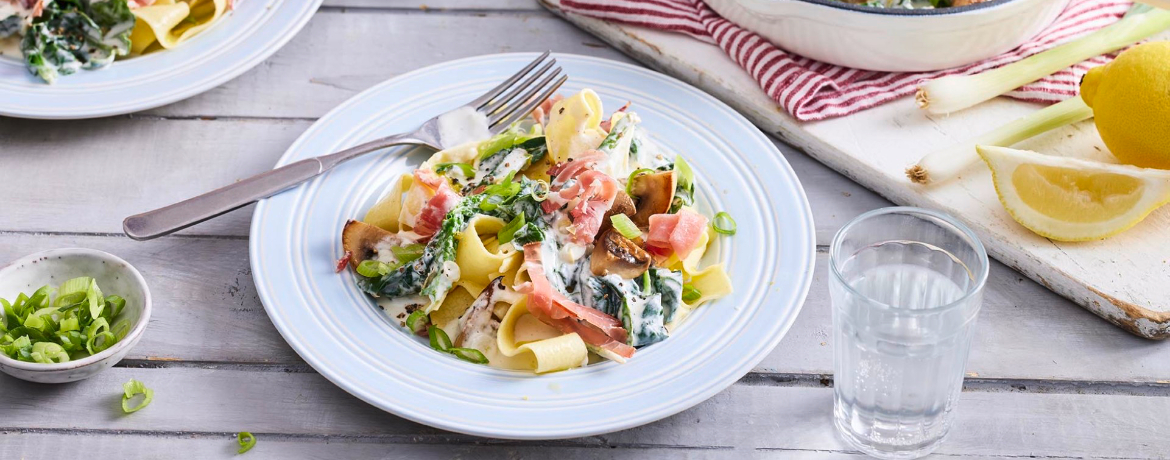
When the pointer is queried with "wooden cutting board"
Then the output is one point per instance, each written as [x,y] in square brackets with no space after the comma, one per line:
[1123,279]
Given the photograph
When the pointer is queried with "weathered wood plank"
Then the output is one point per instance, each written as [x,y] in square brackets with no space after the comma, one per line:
[773,418]
[207,310]
[342,52]
[191,445]
[134,165]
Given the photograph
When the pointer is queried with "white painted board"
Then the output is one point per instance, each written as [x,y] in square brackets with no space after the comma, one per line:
[1121,279]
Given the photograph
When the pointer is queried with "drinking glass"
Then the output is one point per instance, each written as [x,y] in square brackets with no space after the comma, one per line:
[906,285]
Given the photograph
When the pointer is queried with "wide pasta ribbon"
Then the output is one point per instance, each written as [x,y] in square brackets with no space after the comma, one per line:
[169,22]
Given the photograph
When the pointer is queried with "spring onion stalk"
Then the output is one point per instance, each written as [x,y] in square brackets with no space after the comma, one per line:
[130,390]
[407,254]
[954,93]
[625,226]
[246,440]
[945,164]
[633,175]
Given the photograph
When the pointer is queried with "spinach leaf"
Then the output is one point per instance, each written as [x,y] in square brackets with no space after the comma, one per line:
[74,34]
[670,284]
[9,26]
[511,160]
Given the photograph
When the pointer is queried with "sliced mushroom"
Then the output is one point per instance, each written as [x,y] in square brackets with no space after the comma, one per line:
[622,204]
[652,194]
[360,240]
[618,255]
[478,317]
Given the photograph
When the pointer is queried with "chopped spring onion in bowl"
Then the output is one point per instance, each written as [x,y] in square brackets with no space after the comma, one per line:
[57,325]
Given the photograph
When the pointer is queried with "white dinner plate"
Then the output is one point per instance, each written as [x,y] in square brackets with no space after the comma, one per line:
[296,239]
[238,41]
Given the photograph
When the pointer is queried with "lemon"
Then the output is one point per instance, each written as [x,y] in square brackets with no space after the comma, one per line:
[1070,199]
[1130,98]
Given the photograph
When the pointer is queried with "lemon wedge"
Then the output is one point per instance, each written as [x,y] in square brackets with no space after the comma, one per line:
[1070,199]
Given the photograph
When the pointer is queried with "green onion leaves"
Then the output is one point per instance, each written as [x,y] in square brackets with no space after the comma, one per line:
[690,294]
[470,355]
[416,321]
[509,231]
[130,390]
[246,440]
[625,226]
[440,341]
[466,168]
[723,223]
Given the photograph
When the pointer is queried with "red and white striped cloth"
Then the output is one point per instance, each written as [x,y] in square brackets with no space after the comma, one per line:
[813,90]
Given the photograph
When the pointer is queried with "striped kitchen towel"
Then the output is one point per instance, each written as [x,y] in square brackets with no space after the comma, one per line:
[812,90]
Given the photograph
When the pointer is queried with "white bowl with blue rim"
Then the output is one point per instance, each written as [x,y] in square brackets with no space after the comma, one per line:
[55,266]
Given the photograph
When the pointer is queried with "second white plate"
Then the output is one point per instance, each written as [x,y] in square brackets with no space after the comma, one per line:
[237,42]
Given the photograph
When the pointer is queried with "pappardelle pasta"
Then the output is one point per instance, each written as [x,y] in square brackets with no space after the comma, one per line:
[569,238]
[60,37]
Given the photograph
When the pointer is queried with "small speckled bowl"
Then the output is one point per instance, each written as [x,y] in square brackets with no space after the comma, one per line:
[55,266]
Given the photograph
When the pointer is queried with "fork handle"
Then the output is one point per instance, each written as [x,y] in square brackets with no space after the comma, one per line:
[170,219]
[164,221]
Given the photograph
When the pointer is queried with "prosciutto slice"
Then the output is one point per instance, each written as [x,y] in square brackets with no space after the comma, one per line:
[430,218]
[679,232]
[552,308]
[588,200]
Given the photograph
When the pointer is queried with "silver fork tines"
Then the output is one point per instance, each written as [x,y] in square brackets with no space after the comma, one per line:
[503,105]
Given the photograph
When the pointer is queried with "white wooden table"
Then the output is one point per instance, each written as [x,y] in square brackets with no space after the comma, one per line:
[1046,378]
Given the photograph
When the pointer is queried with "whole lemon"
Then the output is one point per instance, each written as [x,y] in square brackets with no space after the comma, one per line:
[1130,98]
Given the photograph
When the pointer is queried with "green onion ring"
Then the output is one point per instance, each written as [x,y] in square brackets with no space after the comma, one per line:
[728,224]
[246,440]
[439,339]
[131,389]
[470,355]
[690,294]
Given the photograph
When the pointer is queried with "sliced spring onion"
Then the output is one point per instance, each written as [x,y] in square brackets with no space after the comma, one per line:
[951,94]
[246,440]
[625,226]
[470,355]
[130,390]
[371,268]
[439,339]
[114,306]
[120,329]
[686,177]
[690,294]
[947,163]
[723,223]
[407,254]
[97,302]
[97,338]
[507,233]
[468,171]
[646,282]
[416,321]
[48,352]
[630,180]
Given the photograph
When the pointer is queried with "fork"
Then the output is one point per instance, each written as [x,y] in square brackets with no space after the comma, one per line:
[502,106]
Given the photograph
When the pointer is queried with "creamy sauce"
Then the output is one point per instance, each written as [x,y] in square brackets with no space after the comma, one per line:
[10,48]
[463,125]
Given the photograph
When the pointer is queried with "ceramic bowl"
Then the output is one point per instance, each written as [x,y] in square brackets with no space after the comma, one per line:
[55,266]
[893,40]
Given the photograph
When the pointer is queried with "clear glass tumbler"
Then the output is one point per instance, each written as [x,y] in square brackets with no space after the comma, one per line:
[906,285]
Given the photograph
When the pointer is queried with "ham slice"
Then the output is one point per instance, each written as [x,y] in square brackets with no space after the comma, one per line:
[679,232]
[588,200]
[540,114]
[430,218]
[564,172]
[552,308]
